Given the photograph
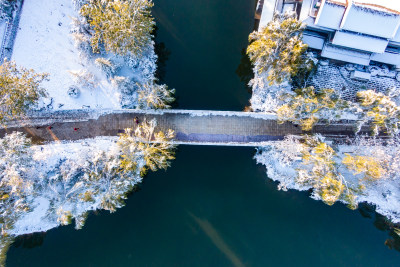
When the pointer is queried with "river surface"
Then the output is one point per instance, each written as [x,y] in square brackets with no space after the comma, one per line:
[214,206]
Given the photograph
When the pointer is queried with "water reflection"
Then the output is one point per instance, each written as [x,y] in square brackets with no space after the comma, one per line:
[30,241]
[163,54]
[383,224]
[245,70]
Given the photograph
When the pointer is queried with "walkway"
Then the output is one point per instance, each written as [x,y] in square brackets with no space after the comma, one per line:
[191,127]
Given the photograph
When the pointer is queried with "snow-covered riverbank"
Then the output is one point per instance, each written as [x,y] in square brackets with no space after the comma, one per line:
[283,159]
[46,43]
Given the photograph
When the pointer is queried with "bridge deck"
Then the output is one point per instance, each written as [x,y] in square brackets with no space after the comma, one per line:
[191,127]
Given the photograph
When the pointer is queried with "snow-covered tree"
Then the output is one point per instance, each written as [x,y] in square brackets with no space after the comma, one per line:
[319,171]
[6,8]
[278,50]
[154,147]
[108,180]
[106,65]
[122,26]
[84,78]
[155,96]
[5,243]
[380,110]
[370,167]
[78,4]
[15,179]
[20,90]
[309,106]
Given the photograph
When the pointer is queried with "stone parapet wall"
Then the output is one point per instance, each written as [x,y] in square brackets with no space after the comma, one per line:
[192,127]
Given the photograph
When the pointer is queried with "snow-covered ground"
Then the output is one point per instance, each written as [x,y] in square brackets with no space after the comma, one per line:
[45,44]
[283,158]
[51,160]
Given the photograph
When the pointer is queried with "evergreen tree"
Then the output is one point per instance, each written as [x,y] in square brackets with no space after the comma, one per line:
[321,172]
[122,26]
[155,148]
[155,96]
[278,49]
[370,167]
[19,90]
[307,107]
[380,110]
[15,180]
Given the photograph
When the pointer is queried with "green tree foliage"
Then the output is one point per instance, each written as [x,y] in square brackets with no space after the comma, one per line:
[122,26]
[20,90]
[380,110]
[154,147]
[278,49]
[108,181]
[155,96]
[321,172]
[307,107]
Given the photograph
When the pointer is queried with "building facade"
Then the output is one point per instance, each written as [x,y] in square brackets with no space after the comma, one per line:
[361,32]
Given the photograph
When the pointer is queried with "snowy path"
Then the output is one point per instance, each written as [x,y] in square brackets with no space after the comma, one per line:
[190,126]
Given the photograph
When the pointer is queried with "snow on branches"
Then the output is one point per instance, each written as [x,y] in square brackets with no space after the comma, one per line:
[155,96]
[44,186]
[365,170]
[380,110]
[278,50]
[20,90]
[309,106]
[123,27]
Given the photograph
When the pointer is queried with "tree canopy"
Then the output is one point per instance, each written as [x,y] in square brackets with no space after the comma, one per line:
[278,49]
[155,96]
[122,26]
[20,90]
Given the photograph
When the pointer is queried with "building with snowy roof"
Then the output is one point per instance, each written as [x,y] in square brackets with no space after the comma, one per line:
[354,31]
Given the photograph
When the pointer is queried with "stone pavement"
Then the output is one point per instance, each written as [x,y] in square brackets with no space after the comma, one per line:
[191,127]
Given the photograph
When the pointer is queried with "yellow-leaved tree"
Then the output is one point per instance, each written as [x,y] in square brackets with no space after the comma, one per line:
[321,172]
[122,26]
[20,90]
[278,49]
[155,96]
[380,110]
[155,148]
[371,168]
[307,107]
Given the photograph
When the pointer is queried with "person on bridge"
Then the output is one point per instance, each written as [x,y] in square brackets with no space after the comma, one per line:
[76,129]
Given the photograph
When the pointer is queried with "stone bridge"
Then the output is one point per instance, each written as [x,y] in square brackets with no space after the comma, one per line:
[190,126]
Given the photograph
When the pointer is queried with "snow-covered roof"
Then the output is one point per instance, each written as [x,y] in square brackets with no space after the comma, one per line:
[313,41]
[330,15]
[338,2]
[346,55]
[360,42]
[380,5]
[388,58]
[397,36]
[372,22]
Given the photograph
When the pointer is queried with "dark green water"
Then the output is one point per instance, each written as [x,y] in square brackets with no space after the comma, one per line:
[214,206]
[205,39]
